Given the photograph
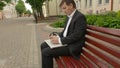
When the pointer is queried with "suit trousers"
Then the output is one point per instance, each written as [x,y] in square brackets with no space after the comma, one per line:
[48,54]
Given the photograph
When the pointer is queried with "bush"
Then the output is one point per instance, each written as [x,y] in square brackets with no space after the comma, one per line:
[109,20]
[58,24]
[115,23]
[99,22]
[91,19]
[118,14]
[111,14]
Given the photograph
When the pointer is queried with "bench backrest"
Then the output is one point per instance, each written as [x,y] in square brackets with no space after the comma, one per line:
[102,48]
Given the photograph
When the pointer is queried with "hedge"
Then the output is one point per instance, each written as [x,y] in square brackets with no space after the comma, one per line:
[108,20]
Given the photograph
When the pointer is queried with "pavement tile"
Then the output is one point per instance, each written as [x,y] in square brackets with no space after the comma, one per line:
[20,40]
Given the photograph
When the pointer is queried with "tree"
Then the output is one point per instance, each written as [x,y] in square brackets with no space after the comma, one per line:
[28,12]
[37,7]
[8,1]
[2,4]
[20,8]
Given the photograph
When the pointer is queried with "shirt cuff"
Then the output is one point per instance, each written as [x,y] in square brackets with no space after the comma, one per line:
[59,40]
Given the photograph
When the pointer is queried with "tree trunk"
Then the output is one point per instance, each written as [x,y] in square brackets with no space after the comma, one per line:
[111,5]
[41,12]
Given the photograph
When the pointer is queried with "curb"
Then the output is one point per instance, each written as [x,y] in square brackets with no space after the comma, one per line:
[48,28]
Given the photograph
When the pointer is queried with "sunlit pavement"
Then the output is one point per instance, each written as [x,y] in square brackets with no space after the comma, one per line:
[18,46]
[20,40]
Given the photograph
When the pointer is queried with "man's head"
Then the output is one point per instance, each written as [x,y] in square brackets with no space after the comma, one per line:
[68,6]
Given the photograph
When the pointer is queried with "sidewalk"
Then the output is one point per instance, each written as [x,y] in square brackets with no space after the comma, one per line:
[18,48]
[20,41]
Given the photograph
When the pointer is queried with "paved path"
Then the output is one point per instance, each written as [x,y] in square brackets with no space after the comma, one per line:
[19,43]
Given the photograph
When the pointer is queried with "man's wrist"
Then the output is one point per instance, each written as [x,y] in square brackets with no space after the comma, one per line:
[59,40]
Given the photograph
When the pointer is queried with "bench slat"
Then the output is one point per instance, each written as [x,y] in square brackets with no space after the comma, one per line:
[59,62]
[102,46]
[88,63]
[105,38]
[95,60]
[76,63]
[107,58]
[105,30]
[67,62]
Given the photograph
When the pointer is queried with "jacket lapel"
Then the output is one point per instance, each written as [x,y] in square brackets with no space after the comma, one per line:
[70,28]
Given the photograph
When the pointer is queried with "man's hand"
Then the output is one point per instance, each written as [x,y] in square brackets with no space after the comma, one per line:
[54,39]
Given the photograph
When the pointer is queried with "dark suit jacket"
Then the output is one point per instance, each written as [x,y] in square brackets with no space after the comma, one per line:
[75,38]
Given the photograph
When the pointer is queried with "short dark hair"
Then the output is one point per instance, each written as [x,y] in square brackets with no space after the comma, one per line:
[68,2]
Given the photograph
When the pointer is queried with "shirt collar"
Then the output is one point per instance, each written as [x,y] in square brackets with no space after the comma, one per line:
[71,15]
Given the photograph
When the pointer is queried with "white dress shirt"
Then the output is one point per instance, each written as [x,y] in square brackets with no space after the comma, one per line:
[68,23]
[67,26]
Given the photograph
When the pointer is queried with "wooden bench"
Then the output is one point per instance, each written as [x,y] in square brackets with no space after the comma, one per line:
[102,50]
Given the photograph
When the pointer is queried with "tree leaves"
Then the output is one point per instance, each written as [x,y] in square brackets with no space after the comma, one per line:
[20,7]
[2,5]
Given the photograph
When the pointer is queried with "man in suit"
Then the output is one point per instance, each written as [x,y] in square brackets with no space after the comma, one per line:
[73,36]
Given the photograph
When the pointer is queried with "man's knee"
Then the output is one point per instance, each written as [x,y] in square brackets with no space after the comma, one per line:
[46,51]
[43,45]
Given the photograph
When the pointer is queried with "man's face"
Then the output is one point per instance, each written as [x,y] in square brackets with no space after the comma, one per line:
[67,9]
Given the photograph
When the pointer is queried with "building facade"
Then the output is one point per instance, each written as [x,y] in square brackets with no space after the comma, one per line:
[9,11]
[85,6]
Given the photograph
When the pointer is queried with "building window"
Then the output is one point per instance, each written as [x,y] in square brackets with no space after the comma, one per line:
[78,4]
[99,1]
[85,3]
[90,2]
[106,1]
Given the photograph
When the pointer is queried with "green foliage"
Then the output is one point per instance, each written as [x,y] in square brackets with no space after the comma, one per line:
[8,1]
[1,5]
[28,12]
[20,7]
[108,20]
[37,6]
[111,13]
[118,14]
[60,23]
[91,19]
[57,24]
[99,21]
[115,23]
